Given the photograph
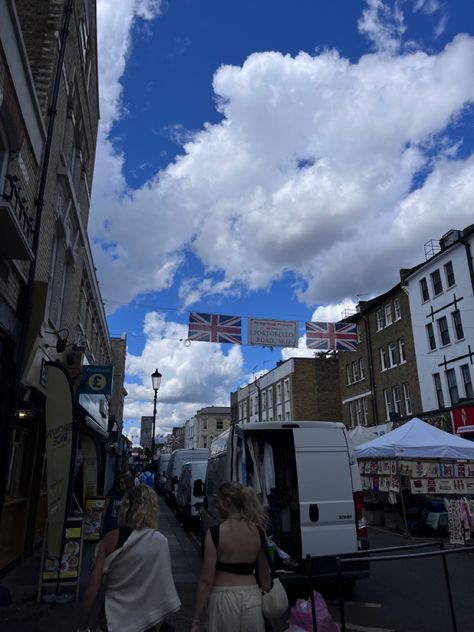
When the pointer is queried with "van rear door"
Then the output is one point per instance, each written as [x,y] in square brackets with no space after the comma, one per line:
[325,491]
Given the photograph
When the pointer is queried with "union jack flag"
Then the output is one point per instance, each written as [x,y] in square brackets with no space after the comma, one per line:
[215,328]
[341,336]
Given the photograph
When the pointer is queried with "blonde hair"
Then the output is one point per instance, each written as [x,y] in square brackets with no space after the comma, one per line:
[139,508]
[245,500]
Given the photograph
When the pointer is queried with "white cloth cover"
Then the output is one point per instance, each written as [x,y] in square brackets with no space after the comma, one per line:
[417,439]
[360,434]
[140,590]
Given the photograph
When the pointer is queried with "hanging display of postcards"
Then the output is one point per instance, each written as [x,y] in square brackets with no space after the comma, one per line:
[426,477]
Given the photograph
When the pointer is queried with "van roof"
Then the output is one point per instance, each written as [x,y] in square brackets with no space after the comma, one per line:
[282,425]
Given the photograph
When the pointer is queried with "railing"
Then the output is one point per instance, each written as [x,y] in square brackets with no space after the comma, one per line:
[366,556]
[18,203]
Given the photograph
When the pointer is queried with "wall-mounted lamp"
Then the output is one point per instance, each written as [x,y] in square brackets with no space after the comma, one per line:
[25,413]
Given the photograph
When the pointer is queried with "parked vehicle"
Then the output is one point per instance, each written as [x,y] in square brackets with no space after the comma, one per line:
[313,496]
[190,493]
[175,465]
[162,469]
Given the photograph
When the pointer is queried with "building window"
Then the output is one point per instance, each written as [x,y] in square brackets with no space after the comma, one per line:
[270,397]
[287,389]
[383,359]
[359,411]
[264,400]
[240,411]
[396,399]
[431,337]
[466,378]
[279,417]
[439,390]
[444,331]
[436,282]
[245,410]
[287,415]
[392,354]
[358,333]
[406,399]
[452,386]
[401,350]
[348,374]
[204,424]
[278,393]
[425,295]
[397,310]
[388,403]
[380,321]
[449,274]
[365,411]
[457,323]
[388,314]
[361,368]
[352,414]
[219,424]
[355,371]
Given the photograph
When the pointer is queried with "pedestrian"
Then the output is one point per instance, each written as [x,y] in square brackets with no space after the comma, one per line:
[147,477]
[123,482]
[134,565]
[134,474]
[233,553]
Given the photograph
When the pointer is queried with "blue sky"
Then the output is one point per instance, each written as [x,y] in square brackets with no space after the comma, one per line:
[273,159]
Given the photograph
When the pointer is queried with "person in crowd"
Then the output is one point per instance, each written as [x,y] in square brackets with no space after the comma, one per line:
[147,477]
[134,474]
[134,566]
[123,482]
[233,553]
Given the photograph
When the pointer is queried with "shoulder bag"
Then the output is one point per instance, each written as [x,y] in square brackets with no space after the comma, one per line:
[274,602]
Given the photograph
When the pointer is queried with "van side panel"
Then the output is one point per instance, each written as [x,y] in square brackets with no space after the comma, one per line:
[327,512]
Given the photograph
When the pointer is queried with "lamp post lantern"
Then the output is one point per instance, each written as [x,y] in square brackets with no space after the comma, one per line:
[155,381]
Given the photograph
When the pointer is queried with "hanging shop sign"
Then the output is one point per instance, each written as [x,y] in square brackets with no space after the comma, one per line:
[96,379]
[463,419]
[265,332]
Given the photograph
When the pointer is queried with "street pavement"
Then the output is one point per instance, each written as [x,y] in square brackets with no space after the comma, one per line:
[26,615]
[399,596]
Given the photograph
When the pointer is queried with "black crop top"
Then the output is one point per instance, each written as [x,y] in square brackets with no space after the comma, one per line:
[236,568]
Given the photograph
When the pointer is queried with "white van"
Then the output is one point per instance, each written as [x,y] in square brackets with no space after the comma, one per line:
[162,469]
[308,479]
[190,492]
[178,459]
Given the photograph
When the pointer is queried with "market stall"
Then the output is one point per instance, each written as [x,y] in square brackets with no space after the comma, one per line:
[361,434]
[425,474]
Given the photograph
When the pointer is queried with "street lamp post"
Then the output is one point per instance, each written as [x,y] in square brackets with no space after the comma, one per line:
[155,381]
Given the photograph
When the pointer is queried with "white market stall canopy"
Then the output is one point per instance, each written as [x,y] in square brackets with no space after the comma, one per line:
[360,434]
[418,440]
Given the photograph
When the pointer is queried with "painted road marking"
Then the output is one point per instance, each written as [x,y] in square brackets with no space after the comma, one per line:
[362,604]
[363,628]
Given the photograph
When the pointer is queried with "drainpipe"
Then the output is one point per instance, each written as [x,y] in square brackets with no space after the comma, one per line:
[375,411]
[470,265]
[28,300]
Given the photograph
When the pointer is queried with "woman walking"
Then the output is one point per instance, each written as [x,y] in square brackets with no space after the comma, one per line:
[133,563]
[233,553]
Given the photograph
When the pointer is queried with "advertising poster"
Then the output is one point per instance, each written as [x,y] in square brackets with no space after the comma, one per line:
[266,332]
[463,419]
[146,431]
[64,569]
[59,421]
[93,516]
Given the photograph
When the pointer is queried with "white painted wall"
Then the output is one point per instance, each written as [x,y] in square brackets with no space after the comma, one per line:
[428,361]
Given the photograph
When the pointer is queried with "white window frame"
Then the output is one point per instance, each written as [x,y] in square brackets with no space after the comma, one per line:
[278,393]
[457,324]
[383,359]
[438,386]
[388,314]
[440,331]
[467,383]
[430,328]
[407,399]
[424,289]
[355,370]
[397,309]
[264,400]
[447,274]
[436,273]
[286,389]
[361,368]
[348,374]
[397,399]
[270,397]
[392,355]
[387,395]
[380,320]
[402,351]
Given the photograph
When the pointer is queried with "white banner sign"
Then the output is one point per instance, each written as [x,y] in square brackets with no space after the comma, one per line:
[265,332]
[146,432]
